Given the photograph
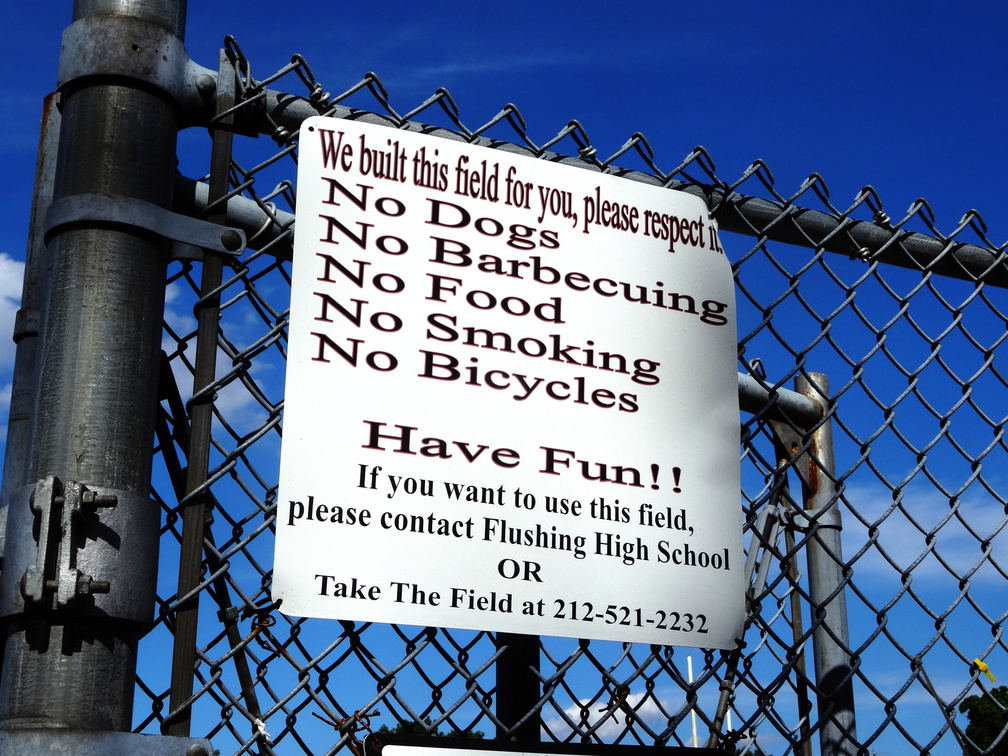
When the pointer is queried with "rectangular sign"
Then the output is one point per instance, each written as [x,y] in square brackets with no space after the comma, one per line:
[511,398]
[414,745]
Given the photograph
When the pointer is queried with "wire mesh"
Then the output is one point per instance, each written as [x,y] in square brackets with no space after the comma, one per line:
[917,370]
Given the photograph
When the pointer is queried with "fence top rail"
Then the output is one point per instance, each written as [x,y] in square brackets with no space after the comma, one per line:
[757,397]
[280,115]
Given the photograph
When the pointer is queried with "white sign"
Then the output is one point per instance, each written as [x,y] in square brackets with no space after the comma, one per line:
[405,745]
[511,397]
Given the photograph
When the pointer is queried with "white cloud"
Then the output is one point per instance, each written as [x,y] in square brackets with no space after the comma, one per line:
[11,275]
[606,723]
[611,723]
[487,65]
[952,552]
[5,398]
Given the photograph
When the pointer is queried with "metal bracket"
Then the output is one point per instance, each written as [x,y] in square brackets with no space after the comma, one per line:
[792,445]
[59,507]
[136,213]
[124,47]
[801,451]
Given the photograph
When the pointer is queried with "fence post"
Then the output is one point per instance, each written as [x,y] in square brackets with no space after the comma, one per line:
[195,503]
[827,583]
[518,687]
[26,325]
[77,594]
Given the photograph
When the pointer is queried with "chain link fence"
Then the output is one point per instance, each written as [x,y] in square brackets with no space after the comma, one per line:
[903,315]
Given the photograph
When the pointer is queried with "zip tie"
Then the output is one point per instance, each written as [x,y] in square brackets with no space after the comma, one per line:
[985,669]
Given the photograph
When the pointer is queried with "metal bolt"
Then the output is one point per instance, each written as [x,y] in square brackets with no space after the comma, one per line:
[197,749]
[206,85]
[95,500]
[231,240]
[88,585]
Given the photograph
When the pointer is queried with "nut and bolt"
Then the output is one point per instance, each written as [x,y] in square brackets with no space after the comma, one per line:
[94,499]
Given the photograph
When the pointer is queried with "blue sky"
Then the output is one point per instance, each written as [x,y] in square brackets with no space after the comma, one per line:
[906,97]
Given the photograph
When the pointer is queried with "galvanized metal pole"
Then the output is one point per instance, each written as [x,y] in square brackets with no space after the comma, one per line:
[26,325]
[827,584]
[81,548]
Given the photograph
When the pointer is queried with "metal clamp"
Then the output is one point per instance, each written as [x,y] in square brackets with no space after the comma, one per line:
[135,213]
[123,47]
[810,520]
[97,743]
[66,546]
[58,507]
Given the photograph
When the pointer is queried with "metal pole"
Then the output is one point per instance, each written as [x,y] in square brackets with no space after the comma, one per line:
[194,503]
[827,584]
[518,688]
[81,551]
[26,325]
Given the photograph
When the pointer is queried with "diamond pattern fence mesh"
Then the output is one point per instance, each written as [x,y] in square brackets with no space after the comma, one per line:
[904,316]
